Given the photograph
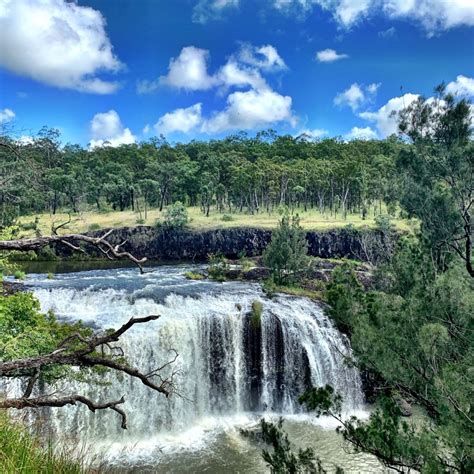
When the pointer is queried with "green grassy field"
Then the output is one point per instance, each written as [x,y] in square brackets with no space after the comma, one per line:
[311,220]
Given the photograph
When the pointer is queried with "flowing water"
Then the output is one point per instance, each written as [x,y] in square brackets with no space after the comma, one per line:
[231,369]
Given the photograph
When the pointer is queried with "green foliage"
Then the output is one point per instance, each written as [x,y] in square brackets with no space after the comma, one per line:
[286,255]
[194,276]
[239,173]
[26,332]
[437,174]
[93,227]
[416,333]
[227,218]
[383,223]
[218,267]
[282,459]
[343,295]
[256,315]
[176,216]
[20,452]
[19,275]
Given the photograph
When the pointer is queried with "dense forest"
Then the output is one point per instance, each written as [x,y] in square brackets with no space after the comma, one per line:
[236,174]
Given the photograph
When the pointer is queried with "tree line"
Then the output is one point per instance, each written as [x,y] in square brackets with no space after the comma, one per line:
[235,174]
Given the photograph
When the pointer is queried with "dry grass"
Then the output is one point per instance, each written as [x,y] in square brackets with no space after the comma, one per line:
[311,220]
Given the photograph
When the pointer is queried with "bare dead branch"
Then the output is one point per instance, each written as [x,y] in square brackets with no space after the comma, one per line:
[71,240]
[48,401]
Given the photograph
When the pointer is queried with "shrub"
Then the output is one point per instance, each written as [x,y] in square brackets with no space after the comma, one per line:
[19,275]
[93,227]
[257,310]
[176,216]
[140,221]
[194,276]
[286,255]
[227,218]
[218,267]
[50,276]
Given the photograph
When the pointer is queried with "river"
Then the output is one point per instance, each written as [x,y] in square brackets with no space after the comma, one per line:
[230,371]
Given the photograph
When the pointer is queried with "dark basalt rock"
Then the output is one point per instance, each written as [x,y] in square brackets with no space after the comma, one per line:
[157,244]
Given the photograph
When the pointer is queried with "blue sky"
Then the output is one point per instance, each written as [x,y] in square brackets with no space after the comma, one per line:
[124,71]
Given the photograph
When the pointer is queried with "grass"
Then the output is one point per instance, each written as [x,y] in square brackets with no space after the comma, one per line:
[310,220]
[20,452]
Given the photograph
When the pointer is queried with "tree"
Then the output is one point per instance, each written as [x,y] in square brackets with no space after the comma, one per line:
[415,333]
[286,255]
[439,174]
[37,348]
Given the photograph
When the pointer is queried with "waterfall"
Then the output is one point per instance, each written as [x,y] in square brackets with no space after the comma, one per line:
[228,364]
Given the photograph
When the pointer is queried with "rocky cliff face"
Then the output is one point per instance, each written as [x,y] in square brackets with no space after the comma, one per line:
[157,244]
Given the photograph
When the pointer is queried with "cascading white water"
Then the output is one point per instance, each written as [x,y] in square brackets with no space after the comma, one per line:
[228,365]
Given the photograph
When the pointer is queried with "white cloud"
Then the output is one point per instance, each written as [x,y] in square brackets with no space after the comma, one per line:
[251,109]
[312,134]
[329,56]
[206,10]
[180,120]
[461,86]
[358,133]
[188,71]
[234,74]
[261,57]
[258,106]
[6,115]
[58,43]
[385,118]
[107,127]
[356,96]
[433,15]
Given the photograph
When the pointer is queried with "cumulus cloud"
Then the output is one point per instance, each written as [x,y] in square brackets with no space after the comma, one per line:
[461,86]
[235,74]
[180,120]
[258,106]
[251,109]
[188,71]
[107,129]
[433,15]
[358,133]
[356,96]
[385,119]
[58,43]
[329,56]
[262,57]
[206,10]
[6,115]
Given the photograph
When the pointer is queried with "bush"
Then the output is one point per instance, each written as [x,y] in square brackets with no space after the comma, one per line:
[218,267]
[383,223]
[227,218]
[140,221]
[93,227]
[257,310]
[286,255]
[194,276]
[19,275]
[176,216]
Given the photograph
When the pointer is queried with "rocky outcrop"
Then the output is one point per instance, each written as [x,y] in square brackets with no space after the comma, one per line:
[156,244]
